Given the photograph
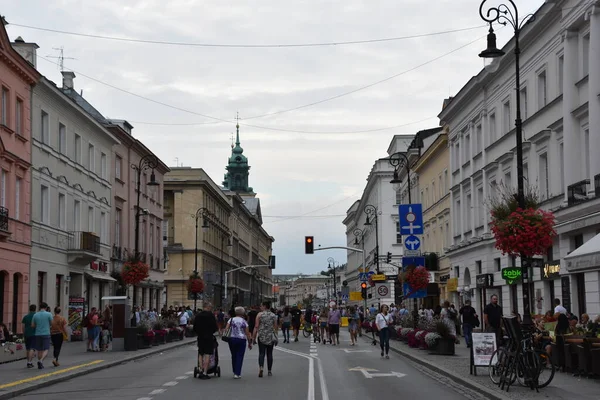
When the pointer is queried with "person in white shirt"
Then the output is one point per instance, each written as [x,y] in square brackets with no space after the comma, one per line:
[558,309]
[183,318]
[383,322]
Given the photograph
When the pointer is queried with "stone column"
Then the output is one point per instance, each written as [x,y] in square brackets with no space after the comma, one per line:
[594,93]
[570,127]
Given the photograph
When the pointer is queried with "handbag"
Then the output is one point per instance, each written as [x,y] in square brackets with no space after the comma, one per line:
[275,338]
[227,334]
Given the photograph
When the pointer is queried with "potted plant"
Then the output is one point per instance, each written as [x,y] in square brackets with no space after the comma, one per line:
[76,335]
[160,333]
[144,340]
[527,231]
[443,343]
[171,325]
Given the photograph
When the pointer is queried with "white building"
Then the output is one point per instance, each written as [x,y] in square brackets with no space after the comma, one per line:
[378,192]
[71,197]
[560,75]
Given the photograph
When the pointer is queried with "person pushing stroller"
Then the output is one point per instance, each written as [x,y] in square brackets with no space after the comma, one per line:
[205,326]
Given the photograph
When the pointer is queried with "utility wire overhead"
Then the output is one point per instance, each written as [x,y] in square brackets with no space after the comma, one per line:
[276,45]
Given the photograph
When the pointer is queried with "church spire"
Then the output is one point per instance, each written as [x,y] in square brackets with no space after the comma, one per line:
[237,127]
[238,170]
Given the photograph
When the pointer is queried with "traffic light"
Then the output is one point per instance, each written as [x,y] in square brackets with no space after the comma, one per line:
[309,245]
[388,258]
[363,290]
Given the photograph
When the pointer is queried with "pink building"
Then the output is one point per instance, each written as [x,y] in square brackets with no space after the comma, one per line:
[17,77]
[126,156]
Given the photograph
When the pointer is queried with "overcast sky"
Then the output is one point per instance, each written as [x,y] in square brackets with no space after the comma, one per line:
[313,175]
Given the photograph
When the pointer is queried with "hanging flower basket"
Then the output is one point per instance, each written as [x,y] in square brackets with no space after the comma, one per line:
[527,231]
[417,277]
[134,272]
[195,284]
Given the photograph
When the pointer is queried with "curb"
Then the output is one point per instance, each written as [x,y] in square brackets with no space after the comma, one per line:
[491,394]
[62,378]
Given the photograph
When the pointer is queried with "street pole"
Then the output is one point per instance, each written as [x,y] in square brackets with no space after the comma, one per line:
[372,212]
[222,277]
[149,161]
[504,14]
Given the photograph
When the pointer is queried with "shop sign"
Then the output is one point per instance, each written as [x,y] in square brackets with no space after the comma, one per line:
[452,285]
[444,278]
[551,270]
[511,274]
[484,280]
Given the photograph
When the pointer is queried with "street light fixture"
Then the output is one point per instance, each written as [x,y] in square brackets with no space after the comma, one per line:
[149,161]
[399,161]
[505,15]
[372,214]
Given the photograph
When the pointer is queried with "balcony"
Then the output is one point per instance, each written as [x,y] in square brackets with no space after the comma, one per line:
[577,192]
[4,232]
[83,248]
[597,185]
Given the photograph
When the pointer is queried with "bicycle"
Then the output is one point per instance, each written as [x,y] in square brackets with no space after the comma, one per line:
[307,330]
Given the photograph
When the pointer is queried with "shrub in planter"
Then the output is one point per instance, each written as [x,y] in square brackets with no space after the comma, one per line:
[431,339]
[445,344]
[411,339]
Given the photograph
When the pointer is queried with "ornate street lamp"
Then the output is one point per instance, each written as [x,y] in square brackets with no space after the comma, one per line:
[372,215]
[509,15]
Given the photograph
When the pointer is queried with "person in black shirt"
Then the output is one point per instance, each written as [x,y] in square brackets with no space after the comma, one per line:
[469,321]
[296,321]
[492,316]
[205,325]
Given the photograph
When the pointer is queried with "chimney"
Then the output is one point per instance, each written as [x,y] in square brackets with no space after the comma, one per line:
[27,50]
[68,77]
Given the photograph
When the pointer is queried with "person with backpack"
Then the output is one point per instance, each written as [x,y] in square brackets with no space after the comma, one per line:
[470,320]
[90,322]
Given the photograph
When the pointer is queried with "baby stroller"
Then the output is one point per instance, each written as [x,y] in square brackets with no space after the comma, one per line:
[213,365]
[316,333]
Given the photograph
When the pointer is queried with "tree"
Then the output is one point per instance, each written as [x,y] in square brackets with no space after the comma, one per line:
[308,300]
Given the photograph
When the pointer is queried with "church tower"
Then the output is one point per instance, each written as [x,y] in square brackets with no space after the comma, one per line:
[238,170]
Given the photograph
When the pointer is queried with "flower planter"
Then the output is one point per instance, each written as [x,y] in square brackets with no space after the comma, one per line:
[143,342]
[189,332]
[444,347]
[18,353]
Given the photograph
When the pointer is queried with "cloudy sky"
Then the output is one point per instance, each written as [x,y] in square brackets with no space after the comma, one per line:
[309,164]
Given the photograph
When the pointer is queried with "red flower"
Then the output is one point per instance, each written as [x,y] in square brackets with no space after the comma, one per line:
[134,272]
[529,232]
[195,283]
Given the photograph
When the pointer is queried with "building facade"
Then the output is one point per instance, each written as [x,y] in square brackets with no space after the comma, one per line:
[72,199]
[432,169]
[298,290]
[380,193]
[559,103]
[126,157]
[17,77]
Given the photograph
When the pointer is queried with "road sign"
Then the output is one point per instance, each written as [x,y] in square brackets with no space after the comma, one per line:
[332,303]
[382,289]
[363,276]
[370,373]
[378,278]
[412,242]
[412,253]
[345,297]
[355,296]
[411,219]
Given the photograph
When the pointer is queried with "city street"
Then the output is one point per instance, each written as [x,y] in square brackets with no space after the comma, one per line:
[302,371]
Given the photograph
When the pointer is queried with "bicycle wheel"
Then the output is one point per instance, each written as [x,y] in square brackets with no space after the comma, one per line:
[306,333]
[546,372]
[533,371]
[498,364]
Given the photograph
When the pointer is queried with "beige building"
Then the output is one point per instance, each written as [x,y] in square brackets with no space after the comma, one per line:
[300,288]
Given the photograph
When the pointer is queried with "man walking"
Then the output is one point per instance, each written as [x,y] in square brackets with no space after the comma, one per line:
[492,316]
[41,322]
[29,333]
[205,325]
[470,321]
[334,325]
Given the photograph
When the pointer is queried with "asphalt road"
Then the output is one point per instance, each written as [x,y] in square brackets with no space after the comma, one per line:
[303,371]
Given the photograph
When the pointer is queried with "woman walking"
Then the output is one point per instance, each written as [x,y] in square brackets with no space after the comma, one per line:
[323,318]
[353,320]
[240,336]
[286,324]
[265,333]
[58,333]
[383,322]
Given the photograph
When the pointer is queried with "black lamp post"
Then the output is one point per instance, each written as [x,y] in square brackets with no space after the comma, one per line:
[225,234]
[149,161]
[399,161]
[504,14]
[331,262]
[372,214]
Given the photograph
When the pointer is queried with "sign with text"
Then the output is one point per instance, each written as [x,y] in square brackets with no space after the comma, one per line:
[511,274]
[356,296]
[382,289]
[452,285]
[485,280]
[550,270]
[378,277]
[483,347]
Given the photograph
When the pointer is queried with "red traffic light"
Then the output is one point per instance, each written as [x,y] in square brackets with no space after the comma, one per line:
[363,285]
[309,245]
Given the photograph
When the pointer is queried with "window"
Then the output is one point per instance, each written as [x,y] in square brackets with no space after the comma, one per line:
[145,183]
[45,209]
[467,147]
[445,181]
[585,54]
[577,241]
[426,199]
[480,206]
[497,264]
[544,182]
[507,180]
[586,153]
[18,199]
[77,149]
[399,196]
[448,238]
[492,128]
[103,227]
[76,215]
[561,73]
[103,166]
[561,160]
[421,198]
[118,166]
[3,189]
[507,119]
[458,156]
[478,266]
[457,220]
[542,90]
[62,211]
[91,158]
[151,242]
[468,208]
[493,188]
[90,219]
[45,128]
[118,227]
[5,98]
[398,234]
[19,117]
[441,186]
[478,140]
[513,261]
[524,103]
[165,231]
[526,172]
[433,193]
[143,236]
[62,139]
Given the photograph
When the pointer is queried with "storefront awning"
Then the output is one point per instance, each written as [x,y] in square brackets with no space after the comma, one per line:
[101,276]
[586,256]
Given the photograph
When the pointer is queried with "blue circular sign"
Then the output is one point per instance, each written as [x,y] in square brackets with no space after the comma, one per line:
[412,242]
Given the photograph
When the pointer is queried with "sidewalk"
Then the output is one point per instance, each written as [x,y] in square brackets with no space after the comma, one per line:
[563,387]
[16,379]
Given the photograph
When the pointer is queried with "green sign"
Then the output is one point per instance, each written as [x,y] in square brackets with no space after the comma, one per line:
[511,274]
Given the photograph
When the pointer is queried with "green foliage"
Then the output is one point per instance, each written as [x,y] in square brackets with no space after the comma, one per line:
[442,328]
[504,202]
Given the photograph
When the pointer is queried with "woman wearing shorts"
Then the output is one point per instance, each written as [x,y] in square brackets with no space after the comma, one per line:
[286,324]
[353,319]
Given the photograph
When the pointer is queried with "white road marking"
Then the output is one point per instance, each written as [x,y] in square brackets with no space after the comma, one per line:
[157,391]
[182,377]
[355,351]
[370,375]
[322,384]
[189,373]
[172,383]
[145,398]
